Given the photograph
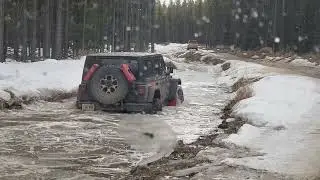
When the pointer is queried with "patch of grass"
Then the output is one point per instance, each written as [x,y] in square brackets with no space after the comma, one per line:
[242,82]
[234,126]
[242,93]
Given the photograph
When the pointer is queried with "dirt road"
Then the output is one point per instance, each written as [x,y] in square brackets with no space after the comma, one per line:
[301,70]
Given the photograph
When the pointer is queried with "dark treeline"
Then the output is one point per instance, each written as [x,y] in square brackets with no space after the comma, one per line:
[38,29]
[249,24]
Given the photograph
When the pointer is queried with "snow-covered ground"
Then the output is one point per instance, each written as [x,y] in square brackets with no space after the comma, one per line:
[282,115]
[240,69]
[282,118]
[283,123]
[170,48]
[303,62]
[40,79]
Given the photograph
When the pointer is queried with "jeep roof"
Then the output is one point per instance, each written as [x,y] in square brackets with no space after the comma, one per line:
[125,54]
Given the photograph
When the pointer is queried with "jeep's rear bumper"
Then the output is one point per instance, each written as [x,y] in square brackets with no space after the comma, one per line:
[125,107]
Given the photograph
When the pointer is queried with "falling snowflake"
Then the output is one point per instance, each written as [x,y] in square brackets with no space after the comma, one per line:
[254,13]
[237,35]
[237,16]
[206,19]
[261,24]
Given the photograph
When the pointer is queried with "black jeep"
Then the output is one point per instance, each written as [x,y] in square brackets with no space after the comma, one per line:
[128,82]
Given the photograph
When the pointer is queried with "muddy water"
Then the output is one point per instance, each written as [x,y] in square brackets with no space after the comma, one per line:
[56,141]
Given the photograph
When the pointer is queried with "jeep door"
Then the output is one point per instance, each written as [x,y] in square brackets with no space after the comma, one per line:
[162,78]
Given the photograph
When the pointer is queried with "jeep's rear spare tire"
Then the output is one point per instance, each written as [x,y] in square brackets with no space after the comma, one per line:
[108,85]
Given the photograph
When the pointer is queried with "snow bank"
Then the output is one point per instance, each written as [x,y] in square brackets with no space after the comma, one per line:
[284,125]
[303,62]
[4,96]
[240,69]
[40,78]
[170,48]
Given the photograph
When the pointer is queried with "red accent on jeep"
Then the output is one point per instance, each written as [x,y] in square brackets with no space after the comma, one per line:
[172,102]
[90,73]
[127,72]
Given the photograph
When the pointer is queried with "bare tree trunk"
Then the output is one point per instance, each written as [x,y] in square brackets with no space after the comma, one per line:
[47,33]
[59,31]
[114,30]
[2,31]
[101,25]
[16,48]
[34,31]
[25,31]
[84,24]
[152,25]
[126,30]
[66,31]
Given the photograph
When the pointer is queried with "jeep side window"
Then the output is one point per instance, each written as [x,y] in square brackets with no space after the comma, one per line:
[147,68]
[157,67]
[134,67]
[162,66]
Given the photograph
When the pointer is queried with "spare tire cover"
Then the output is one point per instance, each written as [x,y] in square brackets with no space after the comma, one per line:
[108,85]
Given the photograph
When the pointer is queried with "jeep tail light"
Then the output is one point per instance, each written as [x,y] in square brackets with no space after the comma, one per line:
[90,73]
[141,90]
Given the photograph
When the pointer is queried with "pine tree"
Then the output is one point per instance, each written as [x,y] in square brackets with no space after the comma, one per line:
[2,57]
